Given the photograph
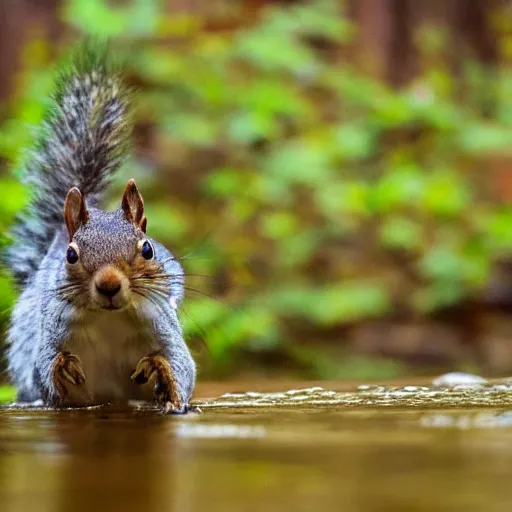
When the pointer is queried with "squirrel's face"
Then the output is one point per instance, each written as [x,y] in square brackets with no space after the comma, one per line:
[110,261]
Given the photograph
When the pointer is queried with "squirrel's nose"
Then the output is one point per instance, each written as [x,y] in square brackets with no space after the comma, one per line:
[108,289]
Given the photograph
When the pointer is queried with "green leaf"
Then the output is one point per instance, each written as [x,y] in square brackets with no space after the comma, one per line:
[271,98]
[401,233]
[165,222]
[201,314]
[7,296]
[297,248]
[247,127]
[484,137]
[194,129]
[445,193]
[14,197]
[390,110]
[300,161]
[442,263]
[349,197]
[226,181]
[97,17]
[333,305]
[223,329]
[7,394]
[350,302]
[276,225]
[323,18]
[497,226]
[398,187]
[354,141]
[275,51]
[438,295]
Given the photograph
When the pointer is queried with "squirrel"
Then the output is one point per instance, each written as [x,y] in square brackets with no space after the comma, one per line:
[96,321]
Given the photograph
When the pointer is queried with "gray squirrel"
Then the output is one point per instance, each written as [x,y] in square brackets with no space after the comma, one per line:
[96,321]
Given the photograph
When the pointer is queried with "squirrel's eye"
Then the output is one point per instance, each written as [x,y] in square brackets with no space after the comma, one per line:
[147,250]
[71,255]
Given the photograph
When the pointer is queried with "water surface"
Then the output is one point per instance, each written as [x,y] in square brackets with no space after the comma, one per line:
[375,449]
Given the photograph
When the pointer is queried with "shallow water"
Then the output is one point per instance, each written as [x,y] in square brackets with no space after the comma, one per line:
[379,448]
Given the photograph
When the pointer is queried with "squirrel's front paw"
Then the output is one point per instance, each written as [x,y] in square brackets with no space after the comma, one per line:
[157,371]
[67,369]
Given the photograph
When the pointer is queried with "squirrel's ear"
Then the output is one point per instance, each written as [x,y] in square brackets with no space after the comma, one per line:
[75,211]
[133,205]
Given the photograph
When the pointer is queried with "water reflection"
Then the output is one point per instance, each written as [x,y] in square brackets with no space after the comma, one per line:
[259,458]
[84,462]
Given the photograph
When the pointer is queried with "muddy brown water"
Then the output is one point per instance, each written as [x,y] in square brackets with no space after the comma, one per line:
[307,448]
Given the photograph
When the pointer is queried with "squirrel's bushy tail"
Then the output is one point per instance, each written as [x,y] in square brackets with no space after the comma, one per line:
[85,136]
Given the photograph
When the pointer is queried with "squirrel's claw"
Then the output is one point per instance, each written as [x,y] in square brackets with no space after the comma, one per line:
[157,371]
[67,369]
[170,409]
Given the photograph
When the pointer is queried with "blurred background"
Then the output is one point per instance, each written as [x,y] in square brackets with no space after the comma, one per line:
[336,176]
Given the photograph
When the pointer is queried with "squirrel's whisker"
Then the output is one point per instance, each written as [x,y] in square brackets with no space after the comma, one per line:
[147,295]
[152,285]
[163,274]
[204,294]
[67,286]
[201,331]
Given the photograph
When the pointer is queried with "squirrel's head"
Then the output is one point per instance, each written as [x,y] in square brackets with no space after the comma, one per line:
[110,261]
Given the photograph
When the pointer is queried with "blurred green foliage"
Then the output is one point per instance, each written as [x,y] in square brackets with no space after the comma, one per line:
[7,394]
[314,195]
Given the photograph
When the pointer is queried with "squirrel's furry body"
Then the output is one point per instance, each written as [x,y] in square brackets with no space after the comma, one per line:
[96,321]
